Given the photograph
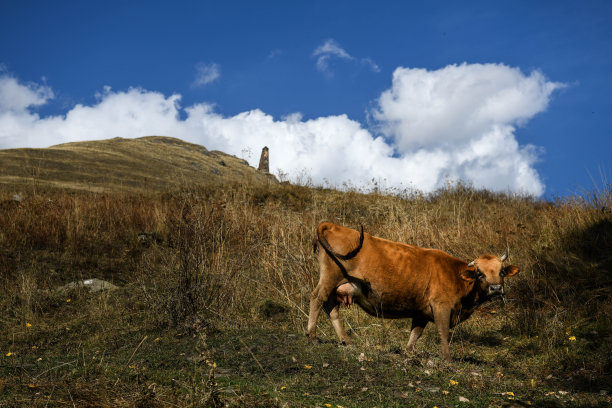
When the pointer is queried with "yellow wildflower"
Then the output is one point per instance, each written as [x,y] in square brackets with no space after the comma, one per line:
[328,405]
[572,338]
[453,382]
[308,367]
[9,354]
[283,388]
[68,300]
[28,325]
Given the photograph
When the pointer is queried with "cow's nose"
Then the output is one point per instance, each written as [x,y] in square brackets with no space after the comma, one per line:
[495,290]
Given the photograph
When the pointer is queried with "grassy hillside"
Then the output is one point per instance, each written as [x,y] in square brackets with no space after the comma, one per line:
[146,164]
[214,288]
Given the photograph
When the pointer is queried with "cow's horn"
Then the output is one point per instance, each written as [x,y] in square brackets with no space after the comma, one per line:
[471,264]
[505,256]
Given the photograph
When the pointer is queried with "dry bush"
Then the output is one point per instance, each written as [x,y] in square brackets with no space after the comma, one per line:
[190,275]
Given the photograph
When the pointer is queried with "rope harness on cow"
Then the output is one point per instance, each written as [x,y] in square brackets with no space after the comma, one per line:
[333,254]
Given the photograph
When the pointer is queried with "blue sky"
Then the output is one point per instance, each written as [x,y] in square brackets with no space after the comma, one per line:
[340,91]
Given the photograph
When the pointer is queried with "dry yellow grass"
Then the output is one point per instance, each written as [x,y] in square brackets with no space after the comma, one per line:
[223,278]
[146,164]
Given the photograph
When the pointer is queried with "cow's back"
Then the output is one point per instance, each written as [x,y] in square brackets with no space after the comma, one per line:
[402,279]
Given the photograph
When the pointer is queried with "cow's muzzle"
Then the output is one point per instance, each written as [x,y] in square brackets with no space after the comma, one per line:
[495,290]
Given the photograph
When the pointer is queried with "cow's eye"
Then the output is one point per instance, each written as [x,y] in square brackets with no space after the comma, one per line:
[480,275]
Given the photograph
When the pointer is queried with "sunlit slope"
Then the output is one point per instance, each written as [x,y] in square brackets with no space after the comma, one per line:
[152,163]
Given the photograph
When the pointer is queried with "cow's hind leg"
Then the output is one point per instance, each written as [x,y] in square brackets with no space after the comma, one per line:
[318,297]
[332,307]
[418,324]
[325,298]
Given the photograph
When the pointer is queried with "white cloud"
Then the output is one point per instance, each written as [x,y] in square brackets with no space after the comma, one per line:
[127,114]
[16,97]
[206,73]
[331,49]
[470,112]
[326,51]
[370,64]
[454,123]
[459,102]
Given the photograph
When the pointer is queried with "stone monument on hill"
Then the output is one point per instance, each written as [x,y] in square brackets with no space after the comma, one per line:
[264,161]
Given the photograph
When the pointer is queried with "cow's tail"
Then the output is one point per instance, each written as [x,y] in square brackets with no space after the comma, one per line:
[320,238]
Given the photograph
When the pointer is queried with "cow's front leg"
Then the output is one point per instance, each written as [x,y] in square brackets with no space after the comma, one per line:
[418,324]
[442,320]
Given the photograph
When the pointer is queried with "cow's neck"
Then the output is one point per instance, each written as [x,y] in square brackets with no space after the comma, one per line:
[470,302]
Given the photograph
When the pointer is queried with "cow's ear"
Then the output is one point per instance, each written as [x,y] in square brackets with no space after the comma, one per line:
[510,270]
[468,275]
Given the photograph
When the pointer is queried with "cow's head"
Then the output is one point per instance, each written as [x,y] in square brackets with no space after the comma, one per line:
[488,273]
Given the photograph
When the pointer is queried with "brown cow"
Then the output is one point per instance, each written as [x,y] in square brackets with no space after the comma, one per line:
[395,280]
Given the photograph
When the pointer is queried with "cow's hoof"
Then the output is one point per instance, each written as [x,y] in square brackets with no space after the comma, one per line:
[313,339]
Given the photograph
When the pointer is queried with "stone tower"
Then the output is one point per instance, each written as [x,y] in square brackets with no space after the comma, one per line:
[264,160]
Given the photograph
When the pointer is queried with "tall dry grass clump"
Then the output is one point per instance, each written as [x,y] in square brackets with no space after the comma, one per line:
[567,291]
[188,271]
